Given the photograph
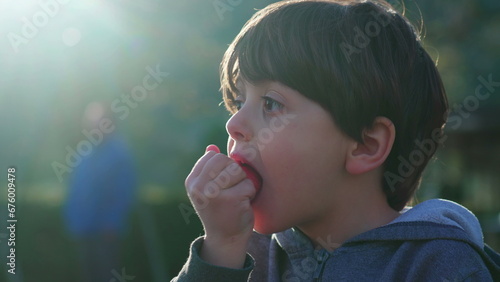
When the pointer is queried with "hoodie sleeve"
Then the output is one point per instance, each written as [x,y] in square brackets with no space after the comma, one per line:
[197,269]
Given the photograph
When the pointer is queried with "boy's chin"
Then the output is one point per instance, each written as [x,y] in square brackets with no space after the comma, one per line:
[266,228]
[262,231]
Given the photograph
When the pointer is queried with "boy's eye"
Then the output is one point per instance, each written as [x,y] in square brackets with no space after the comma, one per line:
[238,104]
[271,105]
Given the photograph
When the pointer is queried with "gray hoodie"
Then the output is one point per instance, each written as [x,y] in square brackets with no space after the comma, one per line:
[436,240]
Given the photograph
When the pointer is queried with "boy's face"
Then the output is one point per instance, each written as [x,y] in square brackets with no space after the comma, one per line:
[297,149]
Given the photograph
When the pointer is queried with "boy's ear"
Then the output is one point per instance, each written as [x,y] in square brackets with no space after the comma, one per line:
[377,145]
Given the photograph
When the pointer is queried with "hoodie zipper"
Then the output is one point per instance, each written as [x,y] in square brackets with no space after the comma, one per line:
[322,257]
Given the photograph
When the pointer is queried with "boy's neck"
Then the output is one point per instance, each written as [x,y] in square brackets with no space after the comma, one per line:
[360,209]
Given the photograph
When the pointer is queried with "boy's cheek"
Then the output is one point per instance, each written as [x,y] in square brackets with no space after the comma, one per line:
[230,144]
[283,122]
[280,149]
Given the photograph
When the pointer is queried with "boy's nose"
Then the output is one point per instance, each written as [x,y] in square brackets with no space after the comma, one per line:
[238,127]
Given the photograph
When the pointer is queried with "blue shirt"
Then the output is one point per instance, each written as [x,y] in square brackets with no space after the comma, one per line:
[101,190]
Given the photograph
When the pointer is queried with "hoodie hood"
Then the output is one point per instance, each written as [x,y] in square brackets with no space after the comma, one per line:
[430,220]
[438,212]
[447,213]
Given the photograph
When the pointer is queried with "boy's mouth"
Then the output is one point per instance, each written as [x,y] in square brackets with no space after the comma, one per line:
[252,174]
[250,171]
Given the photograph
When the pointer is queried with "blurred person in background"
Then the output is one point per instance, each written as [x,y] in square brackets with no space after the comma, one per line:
[100,196]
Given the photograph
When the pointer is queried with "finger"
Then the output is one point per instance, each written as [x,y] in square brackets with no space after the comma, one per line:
[212,147]
[198,166]
[214,166]
[239,193]
[231,175]
[242,190]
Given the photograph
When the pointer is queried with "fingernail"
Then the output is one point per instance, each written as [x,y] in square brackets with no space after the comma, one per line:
[212,148]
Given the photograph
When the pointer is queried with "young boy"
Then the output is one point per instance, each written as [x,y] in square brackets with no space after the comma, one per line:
[336,110]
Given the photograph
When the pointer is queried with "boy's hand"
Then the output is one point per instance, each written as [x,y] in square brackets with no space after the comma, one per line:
[221,195]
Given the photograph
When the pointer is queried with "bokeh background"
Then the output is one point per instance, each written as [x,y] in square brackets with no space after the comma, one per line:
[85,51]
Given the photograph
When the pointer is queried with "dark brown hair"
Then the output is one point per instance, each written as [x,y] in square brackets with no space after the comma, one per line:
[358,60]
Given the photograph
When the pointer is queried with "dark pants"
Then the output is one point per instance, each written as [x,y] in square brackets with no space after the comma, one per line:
[99,255]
